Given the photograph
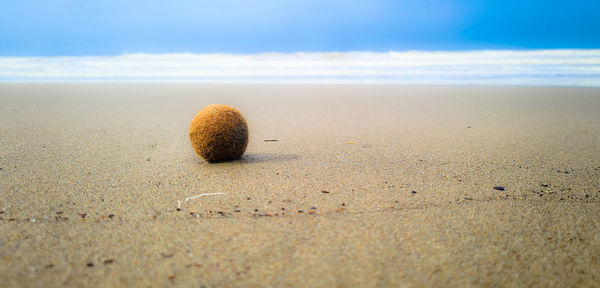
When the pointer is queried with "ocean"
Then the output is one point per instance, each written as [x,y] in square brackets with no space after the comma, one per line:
[480,67]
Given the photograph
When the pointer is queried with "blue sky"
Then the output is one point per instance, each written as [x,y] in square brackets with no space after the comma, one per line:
[80,28]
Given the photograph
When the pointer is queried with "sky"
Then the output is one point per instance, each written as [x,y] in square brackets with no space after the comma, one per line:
[31,28]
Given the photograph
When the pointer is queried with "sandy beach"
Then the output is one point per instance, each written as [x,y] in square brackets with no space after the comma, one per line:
[341,186]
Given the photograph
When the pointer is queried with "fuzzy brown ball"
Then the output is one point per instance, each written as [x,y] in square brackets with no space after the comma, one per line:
[219,133]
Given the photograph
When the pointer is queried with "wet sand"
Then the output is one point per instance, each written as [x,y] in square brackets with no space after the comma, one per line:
[364,186]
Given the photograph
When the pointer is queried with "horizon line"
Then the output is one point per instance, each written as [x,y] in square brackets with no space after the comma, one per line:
[310,52]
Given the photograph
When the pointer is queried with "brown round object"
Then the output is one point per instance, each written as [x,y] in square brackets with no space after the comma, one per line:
[219,133]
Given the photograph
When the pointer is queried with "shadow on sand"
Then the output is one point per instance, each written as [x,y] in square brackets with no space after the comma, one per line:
[267,158]
[253,159]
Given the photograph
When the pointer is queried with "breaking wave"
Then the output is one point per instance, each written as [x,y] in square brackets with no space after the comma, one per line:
[484,67]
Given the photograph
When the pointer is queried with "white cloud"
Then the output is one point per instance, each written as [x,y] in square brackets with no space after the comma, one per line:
[496,67]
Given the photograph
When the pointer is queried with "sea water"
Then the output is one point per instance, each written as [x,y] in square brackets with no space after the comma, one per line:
[482,67]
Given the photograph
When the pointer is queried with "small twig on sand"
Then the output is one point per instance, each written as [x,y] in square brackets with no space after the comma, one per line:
[196,196]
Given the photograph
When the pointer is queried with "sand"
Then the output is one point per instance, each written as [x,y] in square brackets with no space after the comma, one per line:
[91,175]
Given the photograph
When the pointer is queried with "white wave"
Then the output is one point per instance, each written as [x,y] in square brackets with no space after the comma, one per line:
[493,67]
